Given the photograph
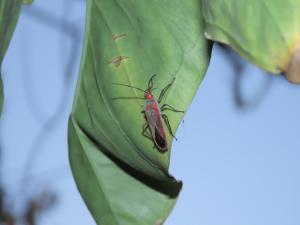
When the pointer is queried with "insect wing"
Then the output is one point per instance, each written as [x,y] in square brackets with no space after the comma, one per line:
[155,123]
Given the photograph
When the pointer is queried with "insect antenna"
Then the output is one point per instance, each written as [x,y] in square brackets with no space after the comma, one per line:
[126,85]
[150,83]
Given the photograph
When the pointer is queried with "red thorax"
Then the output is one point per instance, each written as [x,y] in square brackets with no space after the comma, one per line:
[149,95]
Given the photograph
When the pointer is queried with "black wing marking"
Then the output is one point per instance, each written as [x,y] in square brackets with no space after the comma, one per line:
[156,126]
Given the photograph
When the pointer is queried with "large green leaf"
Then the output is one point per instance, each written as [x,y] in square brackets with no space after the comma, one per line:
[114,192]
[126,42]
[9,14]
[266,32]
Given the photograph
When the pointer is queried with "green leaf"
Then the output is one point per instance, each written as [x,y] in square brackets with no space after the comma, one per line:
[265,32]
[126,42]
[9,14]
[114,192]
[27,1]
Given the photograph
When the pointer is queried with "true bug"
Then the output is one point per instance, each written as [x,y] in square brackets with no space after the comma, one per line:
[155,119]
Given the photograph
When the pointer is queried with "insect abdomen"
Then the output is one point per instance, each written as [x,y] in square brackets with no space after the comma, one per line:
[156,125]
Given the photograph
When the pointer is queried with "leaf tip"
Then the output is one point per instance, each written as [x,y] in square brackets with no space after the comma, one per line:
[292,71]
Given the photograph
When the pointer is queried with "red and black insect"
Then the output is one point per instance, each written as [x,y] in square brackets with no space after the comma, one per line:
[155,119]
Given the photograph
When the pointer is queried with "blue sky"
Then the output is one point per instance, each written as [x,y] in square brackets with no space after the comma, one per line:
[239,167]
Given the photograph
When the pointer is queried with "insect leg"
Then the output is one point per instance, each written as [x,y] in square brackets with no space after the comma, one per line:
[163,92]
[164,116]
[145,132]
[171,108]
